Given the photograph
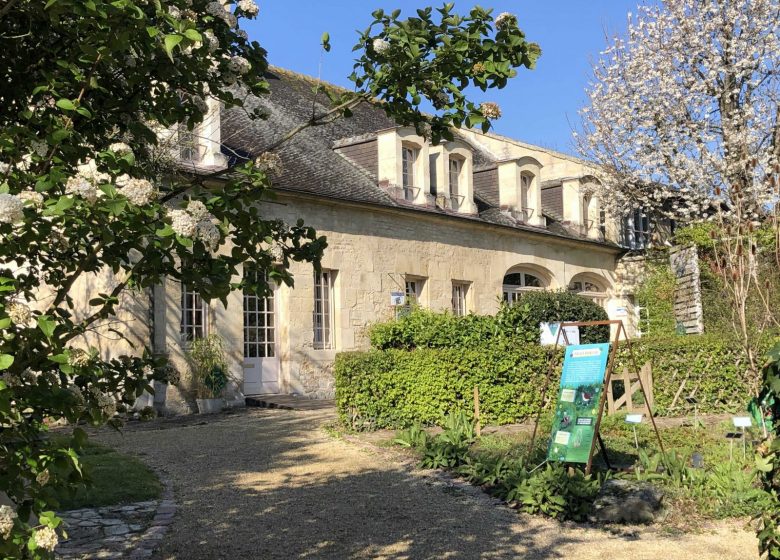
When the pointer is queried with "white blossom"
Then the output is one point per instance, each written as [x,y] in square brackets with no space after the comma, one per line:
[269,162]
[505,19]
[239,65]
[174,12]
[182,223]
[381,46]
[105,403]
[7,517]
[680,110]
[19,313]
[197,209]
[217,10]
[81,187]
[46,538]
[490,110]
[248,7]
[138,191]
[210,40]
[120,148]
[32,198]
[11,209]
[208,232]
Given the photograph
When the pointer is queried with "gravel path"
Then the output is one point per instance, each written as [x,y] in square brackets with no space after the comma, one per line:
[267,484]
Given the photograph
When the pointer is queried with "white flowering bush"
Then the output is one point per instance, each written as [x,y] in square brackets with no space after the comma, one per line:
[88,186]
[683,122]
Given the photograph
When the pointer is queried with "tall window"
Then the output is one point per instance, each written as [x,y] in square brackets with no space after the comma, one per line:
[413,290]
[586,221]
[459,292]
[456,166]
[188,143]
[408,160]
[636,230]
[323,309]
[518,282]
[193,314]
[259,324]
[590,290]
[525,188]
[432,173]
[603,223]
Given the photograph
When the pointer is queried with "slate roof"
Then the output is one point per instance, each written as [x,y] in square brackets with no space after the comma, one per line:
[312,165]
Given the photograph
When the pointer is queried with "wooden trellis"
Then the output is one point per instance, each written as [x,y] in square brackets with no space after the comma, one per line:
[632,382]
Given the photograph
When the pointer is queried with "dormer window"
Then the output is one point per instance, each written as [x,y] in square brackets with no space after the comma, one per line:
[456,165]
[526,179]
[408,161]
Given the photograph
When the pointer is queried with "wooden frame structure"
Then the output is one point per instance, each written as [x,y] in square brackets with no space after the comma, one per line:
[613,351]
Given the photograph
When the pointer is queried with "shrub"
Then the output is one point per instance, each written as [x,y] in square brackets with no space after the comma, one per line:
[395,388]
[423,328]
[521,320]
[711,368]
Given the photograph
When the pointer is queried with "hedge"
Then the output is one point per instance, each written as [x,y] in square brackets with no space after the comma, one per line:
[518,323]
[712,368]
[396,388]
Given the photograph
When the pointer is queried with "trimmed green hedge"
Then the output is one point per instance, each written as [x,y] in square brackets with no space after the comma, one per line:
[519,323]
[396,388]
[712,368]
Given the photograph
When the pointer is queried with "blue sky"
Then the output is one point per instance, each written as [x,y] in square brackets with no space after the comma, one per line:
[538,106]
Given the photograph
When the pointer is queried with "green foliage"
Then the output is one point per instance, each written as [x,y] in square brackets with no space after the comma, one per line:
[711,367]
[656,295]
[518,323]
[435,57]
[557,492]
[209,364]
[88,186]
[449,449]
[769,459]
[396,388]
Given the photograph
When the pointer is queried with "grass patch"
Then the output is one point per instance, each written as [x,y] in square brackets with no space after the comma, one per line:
[113,478]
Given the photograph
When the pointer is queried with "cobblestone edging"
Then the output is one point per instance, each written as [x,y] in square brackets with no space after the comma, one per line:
[130,531]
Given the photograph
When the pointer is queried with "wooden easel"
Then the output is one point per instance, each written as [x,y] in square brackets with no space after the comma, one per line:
[613,351]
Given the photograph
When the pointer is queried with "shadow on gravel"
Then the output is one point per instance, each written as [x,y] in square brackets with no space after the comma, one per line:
[273,485]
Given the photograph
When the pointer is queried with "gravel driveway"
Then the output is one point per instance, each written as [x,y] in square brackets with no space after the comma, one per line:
[264,484]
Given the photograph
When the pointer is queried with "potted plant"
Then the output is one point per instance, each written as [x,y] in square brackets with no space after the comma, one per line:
[209,367]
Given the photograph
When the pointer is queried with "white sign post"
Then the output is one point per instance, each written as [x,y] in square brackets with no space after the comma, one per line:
[634,419]
[742,422]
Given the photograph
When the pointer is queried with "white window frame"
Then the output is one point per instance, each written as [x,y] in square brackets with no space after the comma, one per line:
[413,288]
[409,156]
[512,292]
[460,292]
[192,304]
[260,337]
[590,290]
[323,315]
[637,238]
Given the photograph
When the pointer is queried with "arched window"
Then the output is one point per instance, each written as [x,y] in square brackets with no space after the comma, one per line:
[409,154]
[589,287]
[586,220]
[515,283]
[455,181]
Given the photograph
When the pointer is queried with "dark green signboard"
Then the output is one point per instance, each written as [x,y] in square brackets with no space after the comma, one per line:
[582,382]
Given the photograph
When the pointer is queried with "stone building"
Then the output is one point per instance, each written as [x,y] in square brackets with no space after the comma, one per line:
[459,226]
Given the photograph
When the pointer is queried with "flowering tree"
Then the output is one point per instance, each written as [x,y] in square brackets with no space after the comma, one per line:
[684,120]
[87,186]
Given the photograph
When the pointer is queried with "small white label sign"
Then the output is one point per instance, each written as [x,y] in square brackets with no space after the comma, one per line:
[742,421]
[397,298]
[548,334]
[634,418]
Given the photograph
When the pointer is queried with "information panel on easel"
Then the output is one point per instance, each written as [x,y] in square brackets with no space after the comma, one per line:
[579,396]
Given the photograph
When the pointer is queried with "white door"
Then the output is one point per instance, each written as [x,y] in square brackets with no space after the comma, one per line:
[261,359]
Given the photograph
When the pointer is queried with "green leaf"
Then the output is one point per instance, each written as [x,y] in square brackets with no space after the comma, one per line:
[5,361]
[193,35]
[66,104]
[170,43]
[47,325]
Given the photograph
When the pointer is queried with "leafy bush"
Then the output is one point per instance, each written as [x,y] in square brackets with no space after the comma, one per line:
[521,320]
[557,492]
[519,323]
[711,368]
[450,448]
[395,388]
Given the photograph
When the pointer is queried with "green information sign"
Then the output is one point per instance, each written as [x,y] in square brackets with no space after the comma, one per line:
[582,381]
